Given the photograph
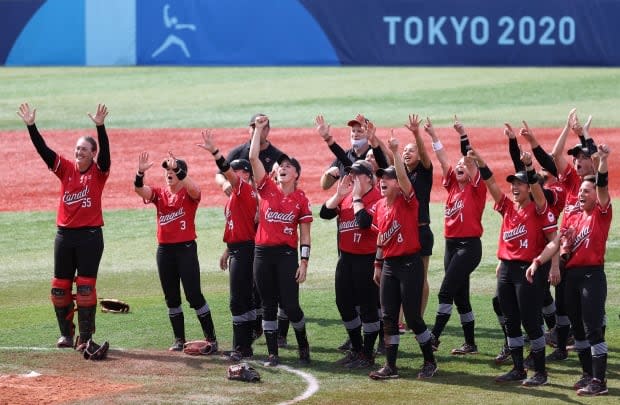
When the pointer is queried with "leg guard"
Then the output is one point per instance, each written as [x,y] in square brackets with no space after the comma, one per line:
[63,305]
[86,299]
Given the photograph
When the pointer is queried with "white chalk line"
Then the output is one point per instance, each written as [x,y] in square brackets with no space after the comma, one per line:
[313,384]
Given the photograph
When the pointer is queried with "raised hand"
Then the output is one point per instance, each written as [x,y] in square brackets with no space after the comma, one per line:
[508,131]
[603,151]
[571,117]
[143,162]
[458,126]
[321,127]
[393,142]
[428,127]
[526,158]
[100,115]
[526,132]
[371,132]
[472,154]
[345,185]
[171,161]
[414,123]
[261,122]
[27,114]
[207,141]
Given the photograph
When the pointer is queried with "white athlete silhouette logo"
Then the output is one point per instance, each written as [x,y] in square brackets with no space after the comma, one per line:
[173,23]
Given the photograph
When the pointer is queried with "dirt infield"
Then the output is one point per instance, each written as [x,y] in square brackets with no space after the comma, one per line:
[27,185]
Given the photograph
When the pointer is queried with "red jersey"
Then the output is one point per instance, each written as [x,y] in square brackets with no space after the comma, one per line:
[240,213]
[522,235]
[80,194]
[571,182]
[559,197]
[176,215]
[351,238]
[397,225]
[464,207]
[280,215]
[591,230]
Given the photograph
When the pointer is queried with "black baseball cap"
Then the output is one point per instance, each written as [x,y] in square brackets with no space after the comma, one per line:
[254,117]
[284,157]
[241,164]
[360,167]
[389,173]
[577,149]
[181,164]
[520,176]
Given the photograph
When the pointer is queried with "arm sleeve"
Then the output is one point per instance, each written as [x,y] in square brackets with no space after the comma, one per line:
[48,155]
[465,145]
[364,219]
[328,213]
[549,196]
[545,160]
[340,154]
[103,159]
[380,157]
[515,154]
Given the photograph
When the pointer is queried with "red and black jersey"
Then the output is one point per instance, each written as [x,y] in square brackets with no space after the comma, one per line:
[522,235]
[591,232]
[279,215]
[558,192]
[240,213]
[80,194]
[464,207]
[397,225]
[571,182]
[351,238]
[176,215]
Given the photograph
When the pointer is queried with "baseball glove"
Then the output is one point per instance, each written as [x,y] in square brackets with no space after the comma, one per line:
[199,347]
[114,306]
[93,351]
[242,372]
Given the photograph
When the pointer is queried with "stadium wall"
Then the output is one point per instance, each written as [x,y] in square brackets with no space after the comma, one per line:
[310,32]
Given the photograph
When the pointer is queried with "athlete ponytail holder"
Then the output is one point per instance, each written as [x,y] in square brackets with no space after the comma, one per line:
[304,252]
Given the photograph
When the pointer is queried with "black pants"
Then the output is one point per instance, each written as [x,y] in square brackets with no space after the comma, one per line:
[585,293]
[354,286]
[178,263]
[241,261]
[77,250]
[274,273]
[460,260]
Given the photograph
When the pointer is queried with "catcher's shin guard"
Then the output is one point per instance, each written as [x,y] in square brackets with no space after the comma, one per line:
[86,299]
[86,323]
[62,299]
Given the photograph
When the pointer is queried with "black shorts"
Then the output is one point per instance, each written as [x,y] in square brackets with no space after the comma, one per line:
[427,240]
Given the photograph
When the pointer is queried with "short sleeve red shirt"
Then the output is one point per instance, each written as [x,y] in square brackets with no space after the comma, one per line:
[571,182]
[240,213]
[522,235]
[397,226]
[280,215]
[80,194]
[464,207]
[351,238]
[176,214]
[592,230]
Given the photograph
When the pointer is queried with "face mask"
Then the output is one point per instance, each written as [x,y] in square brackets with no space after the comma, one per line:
[359,143]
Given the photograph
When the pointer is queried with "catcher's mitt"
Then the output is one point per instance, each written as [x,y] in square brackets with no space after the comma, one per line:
[93,351]
[242,372]
[199,347]
[114,306]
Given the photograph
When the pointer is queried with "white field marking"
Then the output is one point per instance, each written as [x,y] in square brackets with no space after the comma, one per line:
[33,349]
[313,385]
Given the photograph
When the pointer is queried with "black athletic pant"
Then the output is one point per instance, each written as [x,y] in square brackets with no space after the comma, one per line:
[241,261]
[461,259]
[77,250]
[354,286]
[178,263]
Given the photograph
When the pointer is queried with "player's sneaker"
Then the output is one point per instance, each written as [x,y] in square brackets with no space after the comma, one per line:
[402,328]
[304,355]
[557,355]
[539,378]
[583,381]
[235,356]
[362,361]
[272,361]
[64,342]
[466,348]
[384,373]
[596,387]
[428,370]
[177,346]
[210,348]
[348,358]
[434,342]
[503,356]
[346,346]
[512,376]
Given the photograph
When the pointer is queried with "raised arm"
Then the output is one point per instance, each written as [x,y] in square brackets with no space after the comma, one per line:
[558,149]
[28,116]
[143,165]
[513,148]
[193,189]
[535,187]
[401,173]
[541,156]
[103,158]
[414,127]
[322,128]
[208,144]
[602,190]
[257,166]
[487,176]
[440,152]
[379,149]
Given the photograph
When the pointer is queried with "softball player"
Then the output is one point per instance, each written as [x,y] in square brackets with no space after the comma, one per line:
[581,243]
[277,271]
[78,246]
[525,227]
[239,233]
[462,230]
[398,267]
[354,270]
[177,256]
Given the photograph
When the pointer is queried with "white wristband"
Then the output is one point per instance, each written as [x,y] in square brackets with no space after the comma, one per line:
[437,146]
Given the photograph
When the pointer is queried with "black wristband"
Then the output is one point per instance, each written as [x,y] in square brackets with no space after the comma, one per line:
[485,172]
[357,200]
[181,174]
[139,181]
[215,152]
[601,179]
[531,176]
[222,164]
[304,252]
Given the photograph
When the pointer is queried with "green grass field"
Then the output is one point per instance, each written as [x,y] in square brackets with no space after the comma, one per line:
[226,97]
